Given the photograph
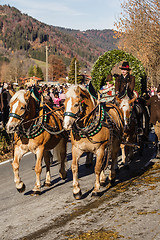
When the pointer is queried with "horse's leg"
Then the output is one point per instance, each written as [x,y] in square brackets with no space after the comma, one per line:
[124,157]
[115,150]
[89,160]
[102,178]
[46,155]
[38,170]
[105,165]
[61,151]
[76,153]
[18,153]
[98,170]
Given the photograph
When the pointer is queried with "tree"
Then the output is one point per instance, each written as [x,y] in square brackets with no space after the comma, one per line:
[35,71]
[71,74]
[139,31]
[57,68]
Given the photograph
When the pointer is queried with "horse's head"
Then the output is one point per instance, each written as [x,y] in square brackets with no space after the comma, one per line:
[19,110]
[125,105]
[78,103]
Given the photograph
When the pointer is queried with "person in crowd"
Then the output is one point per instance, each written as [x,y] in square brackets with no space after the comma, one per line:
[125,81]
[46,96]
[5,98]
[52,93]
[56,100]
[154,103]
[62,96]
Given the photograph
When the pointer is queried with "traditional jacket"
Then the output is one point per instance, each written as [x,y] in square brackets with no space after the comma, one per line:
[121,84]
[154,102]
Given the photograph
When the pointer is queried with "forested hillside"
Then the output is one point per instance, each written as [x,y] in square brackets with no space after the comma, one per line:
[21,32]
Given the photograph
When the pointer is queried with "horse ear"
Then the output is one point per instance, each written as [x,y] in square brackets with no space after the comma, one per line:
[11,92]
[78,90]
[65,90]
[132,100]
[27,95]
[118,100]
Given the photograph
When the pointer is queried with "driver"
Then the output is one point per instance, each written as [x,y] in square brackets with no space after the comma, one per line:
[125,82]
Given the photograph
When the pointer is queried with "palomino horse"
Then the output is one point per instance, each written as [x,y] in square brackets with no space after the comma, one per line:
[37,134]
[130,127]
[93,129]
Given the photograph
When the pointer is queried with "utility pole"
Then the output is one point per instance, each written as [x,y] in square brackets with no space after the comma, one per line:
[47,64]
[75,72]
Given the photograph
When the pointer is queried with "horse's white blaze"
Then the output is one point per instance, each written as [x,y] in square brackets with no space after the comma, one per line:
[124,106]
[10,122]
[67,123]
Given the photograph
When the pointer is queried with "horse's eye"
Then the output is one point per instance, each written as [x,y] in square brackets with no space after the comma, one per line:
[23,108]
[76,105]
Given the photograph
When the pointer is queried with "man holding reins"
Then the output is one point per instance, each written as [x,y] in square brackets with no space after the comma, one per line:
[125,82]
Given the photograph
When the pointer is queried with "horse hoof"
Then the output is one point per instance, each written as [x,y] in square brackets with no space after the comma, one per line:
[102,184]
[22,189]
[95,194]
[47,184]
[35,193]
[77,196]
[112,182]
[63,176]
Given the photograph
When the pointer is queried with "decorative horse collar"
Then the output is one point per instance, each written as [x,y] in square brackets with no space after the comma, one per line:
[91,129]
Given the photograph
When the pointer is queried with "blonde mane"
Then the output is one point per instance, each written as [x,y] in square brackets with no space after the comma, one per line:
[72,91]
[20,96]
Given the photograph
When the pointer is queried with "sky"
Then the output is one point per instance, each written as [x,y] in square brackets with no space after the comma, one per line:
[75,14]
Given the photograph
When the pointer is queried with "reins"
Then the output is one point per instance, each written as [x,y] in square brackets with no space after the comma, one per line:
[38,124]
[51,110]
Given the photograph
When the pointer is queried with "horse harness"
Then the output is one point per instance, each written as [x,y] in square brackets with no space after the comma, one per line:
[39,123]
[102,119]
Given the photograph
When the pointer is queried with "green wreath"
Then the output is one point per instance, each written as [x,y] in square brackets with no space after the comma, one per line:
[103,67]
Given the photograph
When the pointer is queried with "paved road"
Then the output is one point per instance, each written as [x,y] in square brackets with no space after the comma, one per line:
[129,210]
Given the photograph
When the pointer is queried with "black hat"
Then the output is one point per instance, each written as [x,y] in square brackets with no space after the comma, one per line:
[158,89]
[125,66]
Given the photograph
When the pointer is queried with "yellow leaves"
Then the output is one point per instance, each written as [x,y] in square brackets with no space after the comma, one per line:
[140,22]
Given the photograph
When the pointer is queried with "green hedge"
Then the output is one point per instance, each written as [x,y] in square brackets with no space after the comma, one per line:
[103,67]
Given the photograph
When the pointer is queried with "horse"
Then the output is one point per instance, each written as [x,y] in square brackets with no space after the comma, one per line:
[136,125]
[125,105]
[94,127]
[36,130]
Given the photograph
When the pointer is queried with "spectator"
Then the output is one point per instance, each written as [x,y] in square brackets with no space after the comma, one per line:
[5,98]
[56,100]
[62,96]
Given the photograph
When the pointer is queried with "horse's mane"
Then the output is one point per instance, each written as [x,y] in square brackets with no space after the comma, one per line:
[20,96]
[72,91]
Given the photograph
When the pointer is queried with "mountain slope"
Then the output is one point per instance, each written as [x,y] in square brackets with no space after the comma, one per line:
[21,32]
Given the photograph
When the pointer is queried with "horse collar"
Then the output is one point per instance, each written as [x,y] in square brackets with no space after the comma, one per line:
[92,129]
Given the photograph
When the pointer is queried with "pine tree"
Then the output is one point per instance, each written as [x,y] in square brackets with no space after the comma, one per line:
[71,74]
[31,71]
[35,71]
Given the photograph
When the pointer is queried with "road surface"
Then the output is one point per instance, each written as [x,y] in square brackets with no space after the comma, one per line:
[129,210]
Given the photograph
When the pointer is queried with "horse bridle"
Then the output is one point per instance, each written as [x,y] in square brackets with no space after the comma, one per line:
[19,117]
[14,115]
[74,115]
